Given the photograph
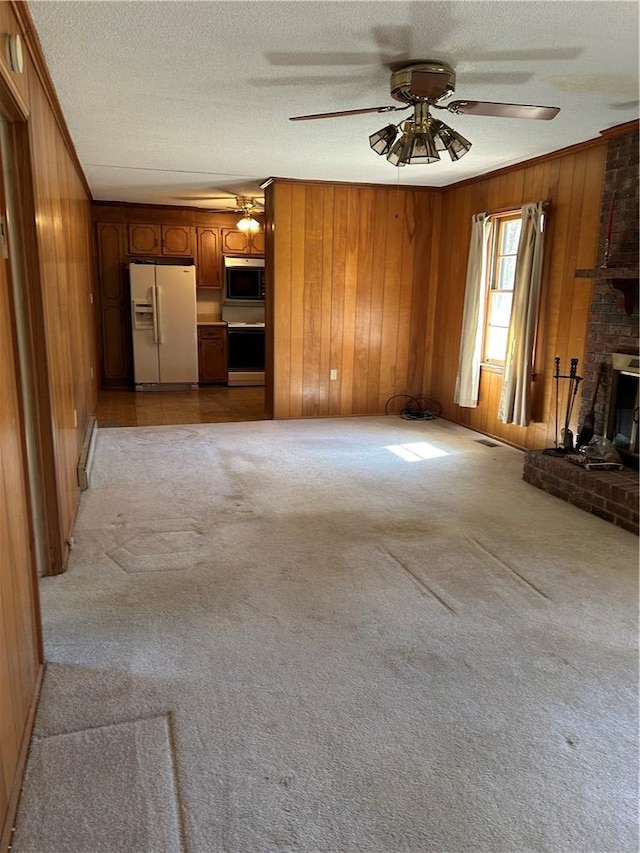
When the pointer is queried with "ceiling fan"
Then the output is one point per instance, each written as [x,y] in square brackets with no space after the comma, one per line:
[247,206]
[426,85]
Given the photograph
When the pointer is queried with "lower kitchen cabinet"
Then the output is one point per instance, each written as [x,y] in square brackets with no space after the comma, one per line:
[212,353]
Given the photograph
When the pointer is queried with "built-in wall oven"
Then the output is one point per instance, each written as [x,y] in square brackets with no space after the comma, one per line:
[244,279]
[243,311]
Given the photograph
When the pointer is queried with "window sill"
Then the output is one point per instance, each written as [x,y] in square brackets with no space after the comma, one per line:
[492,368]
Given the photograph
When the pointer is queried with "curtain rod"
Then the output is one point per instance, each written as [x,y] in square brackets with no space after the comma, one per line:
[511,207]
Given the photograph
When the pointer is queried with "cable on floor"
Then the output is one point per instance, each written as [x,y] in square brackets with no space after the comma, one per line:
[416,408]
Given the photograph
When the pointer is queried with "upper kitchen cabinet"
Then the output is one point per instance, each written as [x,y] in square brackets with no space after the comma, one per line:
[145,240]
[208,257]
[161,240]
[257,243]
[177,240]
[236,242]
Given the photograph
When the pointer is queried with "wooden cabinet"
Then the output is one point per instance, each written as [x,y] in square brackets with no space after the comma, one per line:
[177,240]
[145,240]
[161,240]
[208,260]
[257,243]
[212,353]
[113,290]
[236,242]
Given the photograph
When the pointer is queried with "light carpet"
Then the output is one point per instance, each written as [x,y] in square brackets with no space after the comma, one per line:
[287,637]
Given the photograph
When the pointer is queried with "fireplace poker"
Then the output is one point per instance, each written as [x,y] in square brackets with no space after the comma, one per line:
[578,380]
[588,425]
[567,435]
[556,376]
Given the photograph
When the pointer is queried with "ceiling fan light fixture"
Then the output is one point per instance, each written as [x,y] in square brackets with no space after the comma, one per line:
[421,149]
[454,143]
[400,149]
[382,140]
[246,222]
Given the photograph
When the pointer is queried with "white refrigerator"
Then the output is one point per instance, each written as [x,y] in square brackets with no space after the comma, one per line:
[163,320]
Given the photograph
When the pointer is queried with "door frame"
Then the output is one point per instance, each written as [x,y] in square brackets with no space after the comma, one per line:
[28,298]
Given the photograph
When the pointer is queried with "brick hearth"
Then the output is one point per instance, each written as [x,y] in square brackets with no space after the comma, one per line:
[611,495]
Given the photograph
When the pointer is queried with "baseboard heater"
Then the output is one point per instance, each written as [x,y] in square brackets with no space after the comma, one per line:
[86,457]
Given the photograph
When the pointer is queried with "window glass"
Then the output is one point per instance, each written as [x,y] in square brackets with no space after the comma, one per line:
[500,309]
[506,272]
[496,344]
[510,237]
[501,281]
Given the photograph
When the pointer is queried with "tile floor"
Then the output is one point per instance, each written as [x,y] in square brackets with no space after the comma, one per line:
[206,405]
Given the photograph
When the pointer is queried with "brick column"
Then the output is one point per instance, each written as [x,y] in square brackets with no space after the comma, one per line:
[610,328]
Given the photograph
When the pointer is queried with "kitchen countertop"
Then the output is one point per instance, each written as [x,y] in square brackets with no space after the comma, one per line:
[209,320]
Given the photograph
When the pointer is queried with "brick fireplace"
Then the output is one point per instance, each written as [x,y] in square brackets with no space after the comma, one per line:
[613,328]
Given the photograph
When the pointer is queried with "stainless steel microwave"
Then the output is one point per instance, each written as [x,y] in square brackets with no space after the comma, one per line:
[244,279]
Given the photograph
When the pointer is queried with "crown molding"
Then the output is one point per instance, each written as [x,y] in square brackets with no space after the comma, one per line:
[620,129]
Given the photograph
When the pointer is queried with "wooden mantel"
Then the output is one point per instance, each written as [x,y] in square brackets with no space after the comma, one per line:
[624,279]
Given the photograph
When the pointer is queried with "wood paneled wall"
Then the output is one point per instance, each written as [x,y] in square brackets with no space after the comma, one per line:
[349,286]
[63,226]
[20,652]
[51,263]
[572,181]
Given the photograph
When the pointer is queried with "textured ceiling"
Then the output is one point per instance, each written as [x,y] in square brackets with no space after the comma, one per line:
[188,103]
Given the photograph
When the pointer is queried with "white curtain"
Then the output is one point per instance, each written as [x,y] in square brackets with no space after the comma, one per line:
[468,378]
[515,400]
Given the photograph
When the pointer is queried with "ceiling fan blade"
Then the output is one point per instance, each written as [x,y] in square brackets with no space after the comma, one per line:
[321,58]
[349,113]
[487,108]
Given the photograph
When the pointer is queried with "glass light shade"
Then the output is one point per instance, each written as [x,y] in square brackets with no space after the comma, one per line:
[248,223]
[382,140]
[456,145]
[420,148]
[395,155]
[435,127]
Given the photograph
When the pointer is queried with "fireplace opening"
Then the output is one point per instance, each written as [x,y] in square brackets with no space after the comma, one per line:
[622,426]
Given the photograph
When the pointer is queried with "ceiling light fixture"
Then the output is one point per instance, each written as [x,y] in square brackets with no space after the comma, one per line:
[247,222]
[418,140]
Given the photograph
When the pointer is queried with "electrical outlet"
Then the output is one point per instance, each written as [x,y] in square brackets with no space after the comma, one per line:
[91,298]
[333,374]
[75,417]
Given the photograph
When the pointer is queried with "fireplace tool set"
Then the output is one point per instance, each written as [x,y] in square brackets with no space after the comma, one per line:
[566,435]
[602,454]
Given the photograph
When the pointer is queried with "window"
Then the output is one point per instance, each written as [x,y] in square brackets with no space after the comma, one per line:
[501,306]
[502,268]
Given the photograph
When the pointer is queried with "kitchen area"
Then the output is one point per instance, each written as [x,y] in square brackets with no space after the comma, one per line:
[181,315]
